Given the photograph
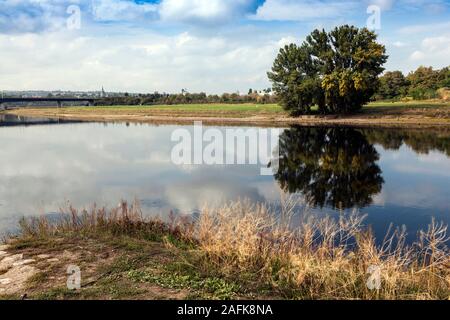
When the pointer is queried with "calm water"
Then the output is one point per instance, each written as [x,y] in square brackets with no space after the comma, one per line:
[396,175]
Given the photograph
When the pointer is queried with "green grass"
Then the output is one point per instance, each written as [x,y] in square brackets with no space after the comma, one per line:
[189,108]
[202,287]
[407,104]
[247,108]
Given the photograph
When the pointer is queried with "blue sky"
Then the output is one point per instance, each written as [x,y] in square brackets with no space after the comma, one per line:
[201,45]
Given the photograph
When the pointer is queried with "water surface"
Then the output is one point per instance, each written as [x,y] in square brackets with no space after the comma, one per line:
[394,175]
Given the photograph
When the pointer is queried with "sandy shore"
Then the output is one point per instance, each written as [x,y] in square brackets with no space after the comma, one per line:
[423,117]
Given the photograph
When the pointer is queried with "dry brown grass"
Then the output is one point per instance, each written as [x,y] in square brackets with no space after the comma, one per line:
[321,258]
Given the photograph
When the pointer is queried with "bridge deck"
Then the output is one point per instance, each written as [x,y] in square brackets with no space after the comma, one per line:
[54,99]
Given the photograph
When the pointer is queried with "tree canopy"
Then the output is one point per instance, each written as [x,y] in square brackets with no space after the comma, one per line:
[392,84]
[337,71]
[423,83]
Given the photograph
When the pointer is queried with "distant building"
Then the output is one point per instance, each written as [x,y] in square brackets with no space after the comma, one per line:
[103,93]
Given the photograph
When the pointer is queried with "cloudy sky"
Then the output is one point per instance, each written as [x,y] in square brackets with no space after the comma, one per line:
[202,45]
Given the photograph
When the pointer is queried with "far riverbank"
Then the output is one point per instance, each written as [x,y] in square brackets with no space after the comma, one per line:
[389,114]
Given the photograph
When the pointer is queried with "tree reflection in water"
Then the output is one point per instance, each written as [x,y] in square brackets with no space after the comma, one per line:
[335,167]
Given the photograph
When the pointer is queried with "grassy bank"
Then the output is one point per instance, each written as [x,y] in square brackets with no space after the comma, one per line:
[413,112]
[239,251]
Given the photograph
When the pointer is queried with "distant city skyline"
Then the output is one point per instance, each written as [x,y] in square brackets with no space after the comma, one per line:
[211,46]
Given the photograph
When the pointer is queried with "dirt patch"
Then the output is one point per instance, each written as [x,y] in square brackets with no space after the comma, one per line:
[14,280]
[38,269]
[15,270]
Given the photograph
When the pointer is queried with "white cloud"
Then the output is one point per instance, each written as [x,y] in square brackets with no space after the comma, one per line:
[144,61]
[203,11]
[433,50]
[383,4]
[18,16]
[399,44]
[417,55]
[299,10]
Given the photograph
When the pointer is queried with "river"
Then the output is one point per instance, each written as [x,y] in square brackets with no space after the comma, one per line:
[397,176]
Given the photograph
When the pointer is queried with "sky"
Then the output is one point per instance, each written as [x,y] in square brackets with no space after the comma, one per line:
[211,46]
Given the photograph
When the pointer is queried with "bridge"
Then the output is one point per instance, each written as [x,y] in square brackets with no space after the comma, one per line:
[11,120]
[59,101]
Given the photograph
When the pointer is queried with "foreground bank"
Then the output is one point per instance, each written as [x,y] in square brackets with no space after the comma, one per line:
[429,113]
[239,251]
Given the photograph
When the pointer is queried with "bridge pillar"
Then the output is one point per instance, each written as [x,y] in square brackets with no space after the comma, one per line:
[59,103]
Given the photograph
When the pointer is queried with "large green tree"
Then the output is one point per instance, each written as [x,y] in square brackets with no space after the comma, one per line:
[337,71]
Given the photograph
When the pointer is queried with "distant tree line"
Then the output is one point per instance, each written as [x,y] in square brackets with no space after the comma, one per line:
[253,96]
[424,83]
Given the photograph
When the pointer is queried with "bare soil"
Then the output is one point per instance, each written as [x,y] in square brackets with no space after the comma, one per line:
[38,269]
